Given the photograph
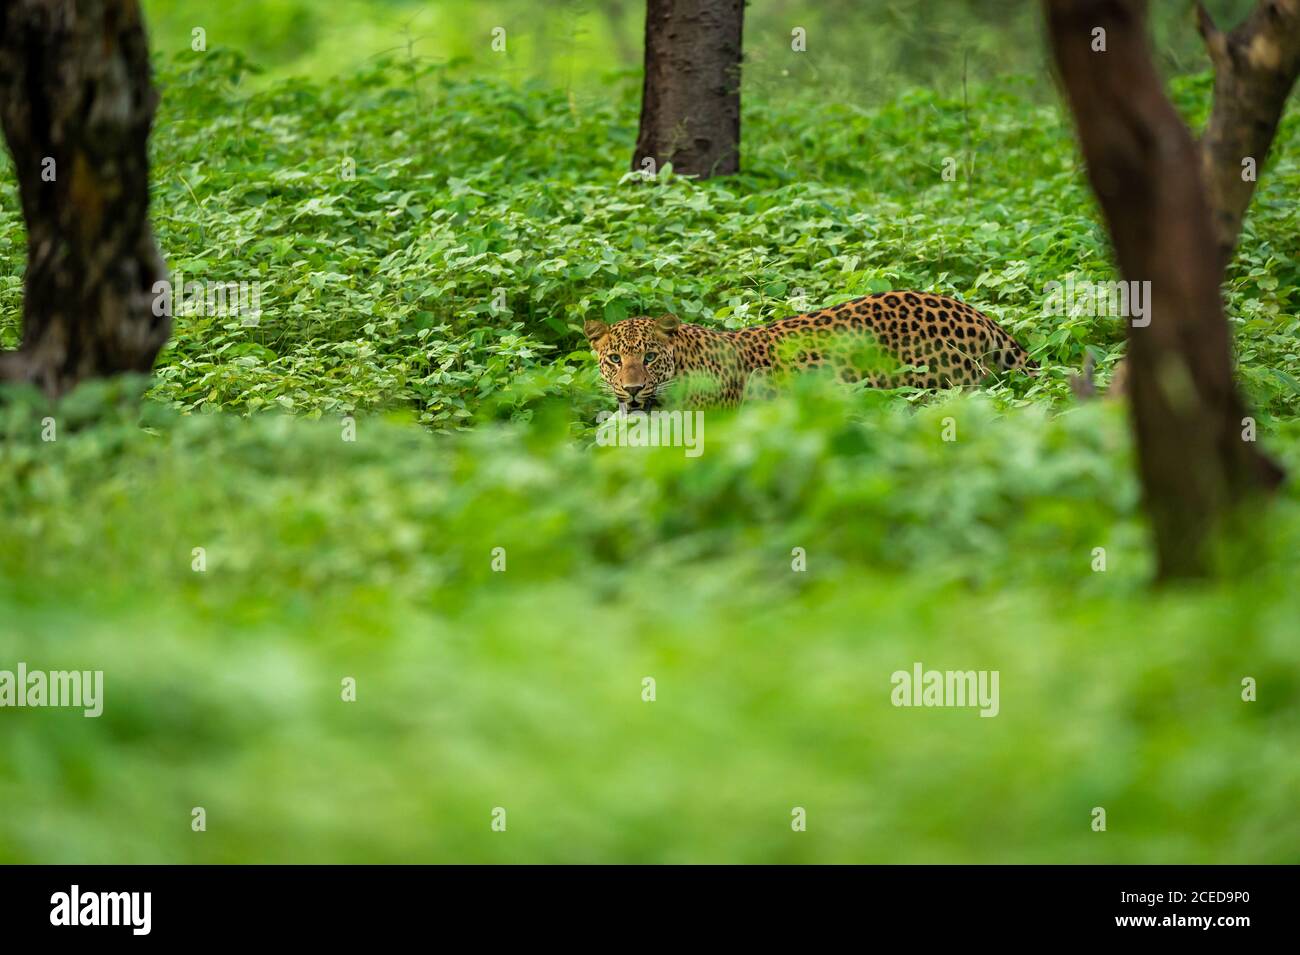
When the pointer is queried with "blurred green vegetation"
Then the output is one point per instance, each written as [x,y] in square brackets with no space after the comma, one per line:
[372,559]
[522,689]
[857,51]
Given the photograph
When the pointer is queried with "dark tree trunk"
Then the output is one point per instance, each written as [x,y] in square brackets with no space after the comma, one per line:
[1145,170]
[77,104]
[690,103]
[1255,68]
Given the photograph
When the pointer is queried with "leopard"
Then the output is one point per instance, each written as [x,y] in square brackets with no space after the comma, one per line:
[885,340]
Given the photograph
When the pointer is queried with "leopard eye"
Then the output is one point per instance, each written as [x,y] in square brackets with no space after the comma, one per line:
[616,359]
[650,356]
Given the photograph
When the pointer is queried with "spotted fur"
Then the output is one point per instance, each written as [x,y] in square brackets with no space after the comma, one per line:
[891,339]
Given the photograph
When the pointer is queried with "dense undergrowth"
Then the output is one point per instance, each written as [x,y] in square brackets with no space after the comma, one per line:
[519,684]
[426,242]
[515,679]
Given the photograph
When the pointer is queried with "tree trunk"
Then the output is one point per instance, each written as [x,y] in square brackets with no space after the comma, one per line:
[1255,68]
[690,103]
[1193,456]
[77,104]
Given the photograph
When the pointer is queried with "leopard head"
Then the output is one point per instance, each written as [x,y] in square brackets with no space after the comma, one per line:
[636,358]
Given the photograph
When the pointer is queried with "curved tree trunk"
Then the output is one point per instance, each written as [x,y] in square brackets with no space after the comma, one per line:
[1255,68]
[690,103]
[77,104]
[1196,456]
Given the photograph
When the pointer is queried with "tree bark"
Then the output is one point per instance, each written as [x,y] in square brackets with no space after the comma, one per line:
[1255,68]
[1144,168]
[77,104]
[690,102]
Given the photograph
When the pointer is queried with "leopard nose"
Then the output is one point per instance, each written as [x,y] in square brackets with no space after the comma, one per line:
[633,390]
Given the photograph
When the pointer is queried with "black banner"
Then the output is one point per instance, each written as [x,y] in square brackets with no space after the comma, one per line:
[335,904]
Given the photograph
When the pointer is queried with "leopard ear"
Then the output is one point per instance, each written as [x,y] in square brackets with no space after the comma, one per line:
[668,324]
[596,330]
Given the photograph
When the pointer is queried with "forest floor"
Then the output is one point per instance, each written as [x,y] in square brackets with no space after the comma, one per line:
[390,478]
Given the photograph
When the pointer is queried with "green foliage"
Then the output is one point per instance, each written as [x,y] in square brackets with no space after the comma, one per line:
[485,223]
[372,558]
[857,51]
